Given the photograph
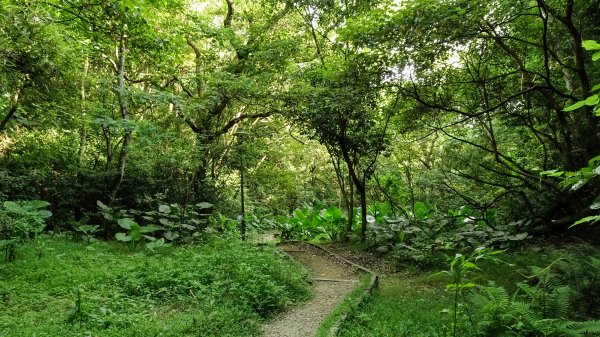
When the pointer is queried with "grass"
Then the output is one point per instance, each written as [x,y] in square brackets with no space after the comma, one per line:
[218,289]
[403,305]
[416,304]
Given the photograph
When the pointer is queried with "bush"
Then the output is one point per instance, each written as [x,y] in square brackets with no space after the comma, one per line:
[229,273]
[20,222]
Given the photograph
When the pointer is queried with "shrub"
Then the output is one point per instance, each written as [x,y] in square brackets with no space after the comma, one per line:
[20,222]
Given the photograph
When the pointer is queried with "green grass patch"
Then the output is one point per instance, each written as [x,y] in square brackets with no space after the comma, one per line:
[218,289]
[403,305]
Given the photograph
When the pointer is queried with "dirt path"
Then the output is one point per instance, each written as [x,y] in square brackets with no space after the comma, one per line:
[332,282]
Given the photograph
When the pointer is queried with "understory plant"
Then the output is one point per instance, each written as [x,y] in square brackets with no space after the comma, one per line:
[460,269]
[426,237]
[167,223]
[311,222]
[20,222]
[558,300]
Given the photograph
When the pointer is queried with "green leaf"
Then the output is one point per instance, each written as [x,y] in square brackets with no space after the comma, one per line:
[126,223]
[596,56]
[44,214]
[170,236]
[575,106]
[552,173]
[123,237]
[596,88]
[594,162]
[204,205]
[13,207]
[149,229]
[517,237]
[135,232]
[470,265]
[155,244]
[592,100]
[35,204]
[596,203]
[421,210]
[590,45]
[592,218]
[102,206]
[164,209]
[333,213]
[165,222]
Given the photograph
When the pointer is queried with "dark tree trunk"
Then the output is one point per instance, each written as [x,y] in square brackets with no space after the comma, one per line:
[125,116]
[362,190]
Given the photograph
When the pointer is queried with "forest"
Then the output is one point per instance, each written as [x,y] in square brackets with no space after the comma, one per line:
[158,156]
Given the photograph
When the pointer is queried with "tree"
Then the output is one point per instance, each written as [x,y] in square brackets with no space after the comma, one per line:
[238,70]
[493,78]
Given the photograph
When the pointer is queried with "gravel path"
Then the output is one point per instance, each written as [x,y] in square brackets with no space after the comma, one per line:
[332,282]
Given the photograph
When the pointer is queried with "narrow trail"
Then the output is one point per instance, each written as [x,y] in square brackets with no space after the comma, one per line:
[332,281]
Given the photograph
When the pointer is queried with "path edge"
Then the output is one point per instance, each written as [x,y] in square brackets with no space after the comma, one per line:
[373,283]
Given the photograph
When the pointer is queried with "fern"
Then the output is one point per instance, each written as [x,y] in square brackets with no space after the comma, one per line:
[591,328]
[560,302]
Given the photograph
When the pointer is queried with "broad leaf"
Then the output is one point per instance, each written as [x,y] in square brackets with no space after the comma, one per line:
[126,223]
[149,229]
[591,45]
[592,218]
[164,209]
[13,207]
[575,106]
[155,244]
[204,205]
[102,206]
[35,204]
[123,237]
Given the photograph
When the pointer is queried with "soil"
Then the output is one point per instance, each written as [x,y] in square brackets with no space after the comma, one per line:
[367,259]
[332,281]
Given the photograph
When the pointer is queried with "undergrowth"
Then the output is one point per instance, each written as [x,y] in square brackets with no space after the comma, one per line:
[540,291]
[219,289]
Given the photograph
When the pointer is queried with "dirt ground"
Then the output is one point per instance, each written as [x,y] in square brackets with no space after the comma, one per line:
[332,281]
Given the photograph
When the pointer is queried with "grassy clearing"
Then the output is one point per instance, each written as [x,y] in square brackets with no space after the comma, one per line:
[218,289]
[403,305]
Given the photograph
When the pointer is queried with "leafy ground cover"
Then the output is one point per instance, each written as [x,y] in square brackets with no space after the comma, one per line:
[539,291]
[62,288]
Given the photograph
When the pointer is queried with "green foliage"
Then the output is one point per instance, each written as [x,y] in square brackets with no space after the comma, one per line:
[84,230]
[552,301]
[311,222]
[166,223]
[429,236]
[461,268]
[136,233]
[21,222]
[218,289]
[593,100]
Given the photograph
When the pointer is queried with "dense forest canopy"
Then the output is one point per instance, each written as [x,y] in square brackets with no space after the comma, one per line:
[472,117]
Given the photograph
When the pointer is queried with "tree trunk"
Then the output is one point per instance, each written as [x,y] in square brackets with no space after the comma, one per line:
[362,190]
[360,186]
[350,205]
[125,116]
